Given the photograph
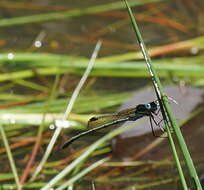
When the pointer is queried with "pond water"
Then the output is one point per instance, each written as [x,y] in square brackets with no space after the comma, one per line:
[161,23]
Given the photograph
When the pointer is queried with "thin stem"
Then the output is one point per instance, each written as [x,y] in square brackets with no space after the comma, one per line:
[82,173]
[171,117]
[84,156]
[82,81]
[68,14]
[40,132]
[10,157]
[68,110]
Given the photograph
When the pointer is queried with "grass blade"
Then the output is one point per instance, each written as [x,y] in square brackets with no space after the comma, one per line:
[82,173]
[85,155]
[158,87]
[68,14]
[68,110]
[10,157]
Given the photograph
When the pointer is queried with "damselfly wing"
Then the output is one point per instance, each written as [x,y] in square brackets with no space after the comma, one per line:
[131,114]
[122,116]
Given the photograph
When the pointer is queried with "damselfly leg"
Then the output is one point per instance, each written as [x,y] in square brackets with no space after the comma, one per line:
[163,122]
[158,124]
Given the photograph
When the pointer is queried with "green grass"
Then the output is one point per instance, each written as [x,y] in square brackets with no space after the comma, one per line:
[27,81]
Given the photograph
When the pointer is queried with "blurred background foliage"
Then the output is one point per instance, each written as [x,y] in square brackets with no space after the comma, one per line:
[47,41]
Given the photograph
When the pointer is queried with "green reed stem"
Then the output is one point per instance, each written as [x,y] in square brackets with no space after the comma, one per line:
[82,173]
[10,157]
[68,14]
[158,87]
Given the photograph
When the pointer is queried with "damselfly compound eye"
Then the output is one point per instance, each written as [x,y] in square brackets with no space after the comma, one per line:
[148,106]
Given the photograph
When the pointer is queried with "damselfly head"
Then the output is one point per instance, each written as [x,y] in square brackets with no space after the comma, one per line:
[154,105]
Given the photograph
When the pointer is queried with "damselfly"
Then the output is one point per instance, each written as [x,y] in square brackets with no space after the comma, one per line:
[96,123]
